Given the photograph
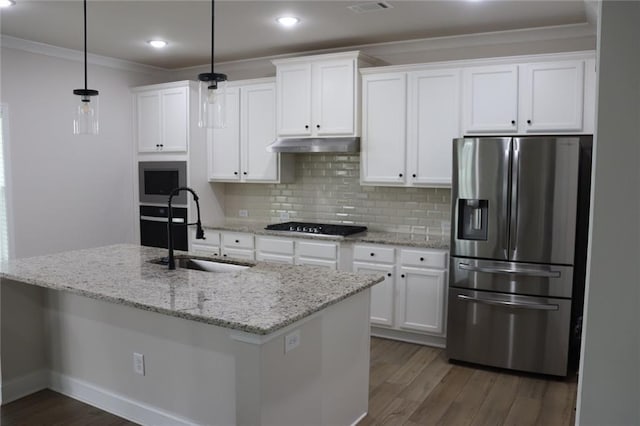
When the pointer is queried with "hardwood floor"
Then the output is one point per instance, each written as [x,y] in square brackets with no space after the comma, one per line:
[409,385]
[416,385]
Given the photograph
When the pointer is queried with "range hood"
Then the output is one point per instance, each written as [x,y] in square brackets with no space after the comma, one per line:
[350,144]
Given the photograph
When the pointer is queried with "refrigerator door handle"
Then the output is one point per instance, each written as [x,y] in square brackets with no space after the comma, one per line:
[516,305]
[516,271]
[515,189]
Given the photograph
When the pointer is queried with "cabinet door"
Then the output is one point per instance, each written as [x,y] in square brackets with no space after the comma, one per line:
[421,301]
[490,99]
[384,103]
[175,119]
[224,144]
[382,300]
[433,123]
[258,130]
[553,96]
[293,83]
[333,97]
[148,121]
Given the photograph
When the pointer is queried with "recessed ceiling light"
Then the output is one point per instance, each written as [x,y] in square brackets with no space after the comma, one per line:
[288,21]
[158,44]
[7,3]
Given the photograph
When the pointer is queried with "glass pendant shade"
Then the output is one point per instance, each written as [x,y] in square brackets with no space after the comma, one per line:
[85,118]
[212,96]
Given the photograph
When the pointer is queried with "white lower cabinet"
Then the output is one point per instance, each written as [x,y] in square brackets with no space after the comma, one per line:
[317,253]
[273,249]
[412,296]
[238,245]
[210,246]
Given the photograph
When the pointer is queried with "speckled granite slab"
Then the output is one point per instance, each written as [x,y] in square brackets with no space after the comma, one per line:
[258,300]
[374,237]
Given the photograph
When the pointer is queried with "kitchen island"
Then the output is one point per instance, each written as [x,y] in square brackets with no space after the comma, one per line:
[271,344]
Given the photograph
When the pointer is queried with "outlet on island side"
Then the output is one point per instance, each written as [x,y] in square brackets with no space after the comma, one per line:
[138,363]
[291,341]
[243,213]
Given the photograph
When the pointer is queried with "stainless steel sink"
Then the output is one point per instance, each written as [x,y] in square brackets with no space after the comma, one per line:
[198,264]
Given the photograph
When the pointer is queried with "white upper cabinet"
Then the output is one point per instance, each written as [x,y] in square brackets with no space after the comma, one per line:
[318,95]
[162,117]
[552,96]
[433,122]
[238,152]
[384,116]
[490,99]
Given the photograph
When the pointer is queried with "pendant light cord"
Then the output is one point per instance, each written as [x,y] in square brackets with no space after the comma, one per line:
[85,44]
[212,32]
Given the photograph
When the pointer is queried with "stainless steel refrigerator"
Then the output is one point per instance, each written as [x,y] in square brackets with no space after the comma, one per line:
[518,251]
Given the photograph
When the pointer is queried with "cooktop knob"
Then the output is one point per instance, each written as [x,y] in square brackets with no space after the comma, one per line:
[299,229]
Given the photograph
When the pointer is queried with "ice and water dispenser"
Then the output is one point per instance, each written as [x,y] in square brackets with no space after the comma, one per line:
[472,219]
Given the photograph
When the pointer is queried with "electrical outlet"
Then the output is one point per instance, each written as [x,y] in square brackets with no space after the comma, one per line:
[138,363]
[243,213]
[284,215]
[291,341]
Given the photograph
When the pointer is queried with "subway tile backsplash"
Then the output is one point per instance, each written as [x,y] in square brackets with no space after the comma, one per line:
[327,189]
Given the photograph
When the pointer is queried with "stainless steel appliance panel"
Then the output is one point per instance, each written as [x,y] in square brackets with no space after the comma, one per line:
[509,331]
[153,227]
[481,178]
[511,277]
[544,196]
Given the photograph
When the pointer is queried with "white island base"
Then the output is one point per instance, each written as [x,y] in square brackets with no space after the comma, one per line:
[195,373]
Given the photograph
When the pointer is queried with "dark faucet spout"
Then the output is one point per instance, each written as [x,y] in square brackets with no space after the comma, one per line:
[170,224]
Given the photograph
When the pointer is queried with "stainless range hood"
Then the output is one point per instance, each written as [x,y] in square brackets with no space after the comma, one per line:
[301,145]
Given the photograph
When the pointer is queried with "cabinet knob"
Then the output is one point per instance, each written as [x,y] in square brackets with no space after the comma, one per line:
[513,122]
[244,173]
[414,175]
[317,126]
[402,276]
[372,254]
[224,255]
[400,174]
[235,173]
[388,274]
[237,241]
[306,126]
[528,121]
[422,259]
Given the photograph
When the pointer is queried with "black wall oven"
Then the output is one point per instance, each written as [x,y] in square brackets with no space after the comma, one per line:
[157,179]
[153,227]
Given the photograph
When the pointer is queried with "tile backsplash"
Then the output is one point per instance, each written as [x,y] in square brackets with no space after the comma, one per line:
[327,189]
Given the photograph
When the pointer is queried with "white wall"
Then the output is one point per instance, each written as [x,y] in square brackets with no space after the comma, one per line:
[609,385]
[69,191]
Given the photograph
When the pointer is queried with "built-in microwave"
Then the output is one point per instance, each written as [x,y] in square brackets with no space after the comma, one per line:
[158,178]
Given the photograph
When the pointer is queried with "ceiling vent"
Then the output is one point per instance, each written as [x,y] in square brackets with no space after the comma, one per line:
[372,6]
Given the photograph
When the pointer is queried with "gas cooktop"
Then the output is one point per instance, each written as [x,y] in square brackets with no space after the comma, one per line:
[317,228]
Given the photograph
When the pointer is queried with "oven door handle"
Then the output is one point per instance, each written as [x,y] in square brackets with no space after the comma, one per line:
[525,272]
[516,305]
[162,219]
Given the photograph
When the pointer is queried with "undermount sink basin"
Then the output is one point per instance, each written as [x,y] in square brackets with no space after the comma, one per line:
[203,265]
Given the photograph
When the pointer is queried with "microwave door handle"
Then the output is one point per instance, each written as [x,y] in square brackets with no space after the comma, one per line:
[514,271]
[162,219]
[516,305]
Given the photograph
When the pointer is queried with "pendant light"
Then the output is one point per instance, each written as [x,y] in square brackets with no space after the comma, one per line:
[212,91]
[85,120]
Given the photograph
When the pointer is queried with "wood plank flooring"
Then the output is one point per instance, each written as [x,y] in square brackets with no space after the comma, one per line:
[409,385]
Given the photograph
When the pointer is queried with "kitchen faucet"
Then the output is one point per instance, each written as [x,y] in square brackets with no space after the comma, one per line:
[170,224]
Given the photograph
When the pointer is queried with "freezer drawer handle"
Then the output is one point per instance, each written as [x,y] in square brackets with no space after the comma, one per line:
[534,306]
[526,272]
[162,219]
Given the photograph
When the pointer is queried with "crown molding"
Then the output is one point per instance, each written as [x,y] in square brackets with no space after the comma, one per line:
[9,42]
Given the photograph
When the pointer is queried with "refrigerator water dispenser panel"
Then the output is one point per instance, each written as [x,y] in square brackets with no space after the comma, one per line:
[472,219]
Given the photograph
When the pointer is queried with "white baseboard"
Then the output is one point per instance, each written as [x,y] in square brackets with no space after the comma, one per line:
[420,339]
[359,419]
[111,402]
[23,386]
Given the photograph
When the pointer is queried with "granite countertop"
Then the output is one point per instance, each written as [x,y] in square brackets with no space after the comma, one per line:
[373,237]
[258,300]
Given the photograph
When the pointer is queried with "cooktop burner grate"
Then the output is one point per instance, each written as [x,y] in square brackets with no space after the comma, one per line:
[317,228]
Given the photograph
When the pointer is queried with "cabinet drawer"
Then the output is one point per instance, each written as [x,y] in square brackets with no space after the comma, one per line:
[236,240]
[274,245]
[318,250]
[212,238]
[205,250]
[238,253]
[374,254]
[317,262]
[424,258]
[274,258]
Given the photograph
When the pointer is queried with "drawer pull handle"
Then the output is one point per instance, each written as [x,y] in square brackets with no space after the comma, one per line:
[237,241]
[388,274]
[422,259]
[402,276]
[516,305]
[373,254]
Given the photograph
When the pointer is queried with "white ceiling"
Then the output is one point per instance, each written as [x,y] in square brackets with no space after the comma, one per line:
[247,29]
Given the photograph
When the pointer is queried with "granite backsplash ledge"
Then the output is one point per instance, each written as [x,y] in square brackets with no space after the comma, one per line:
[327,189]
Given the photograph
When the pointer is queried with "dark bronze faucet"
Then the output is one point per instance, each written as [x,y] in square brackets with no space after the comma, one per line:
[170,224]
